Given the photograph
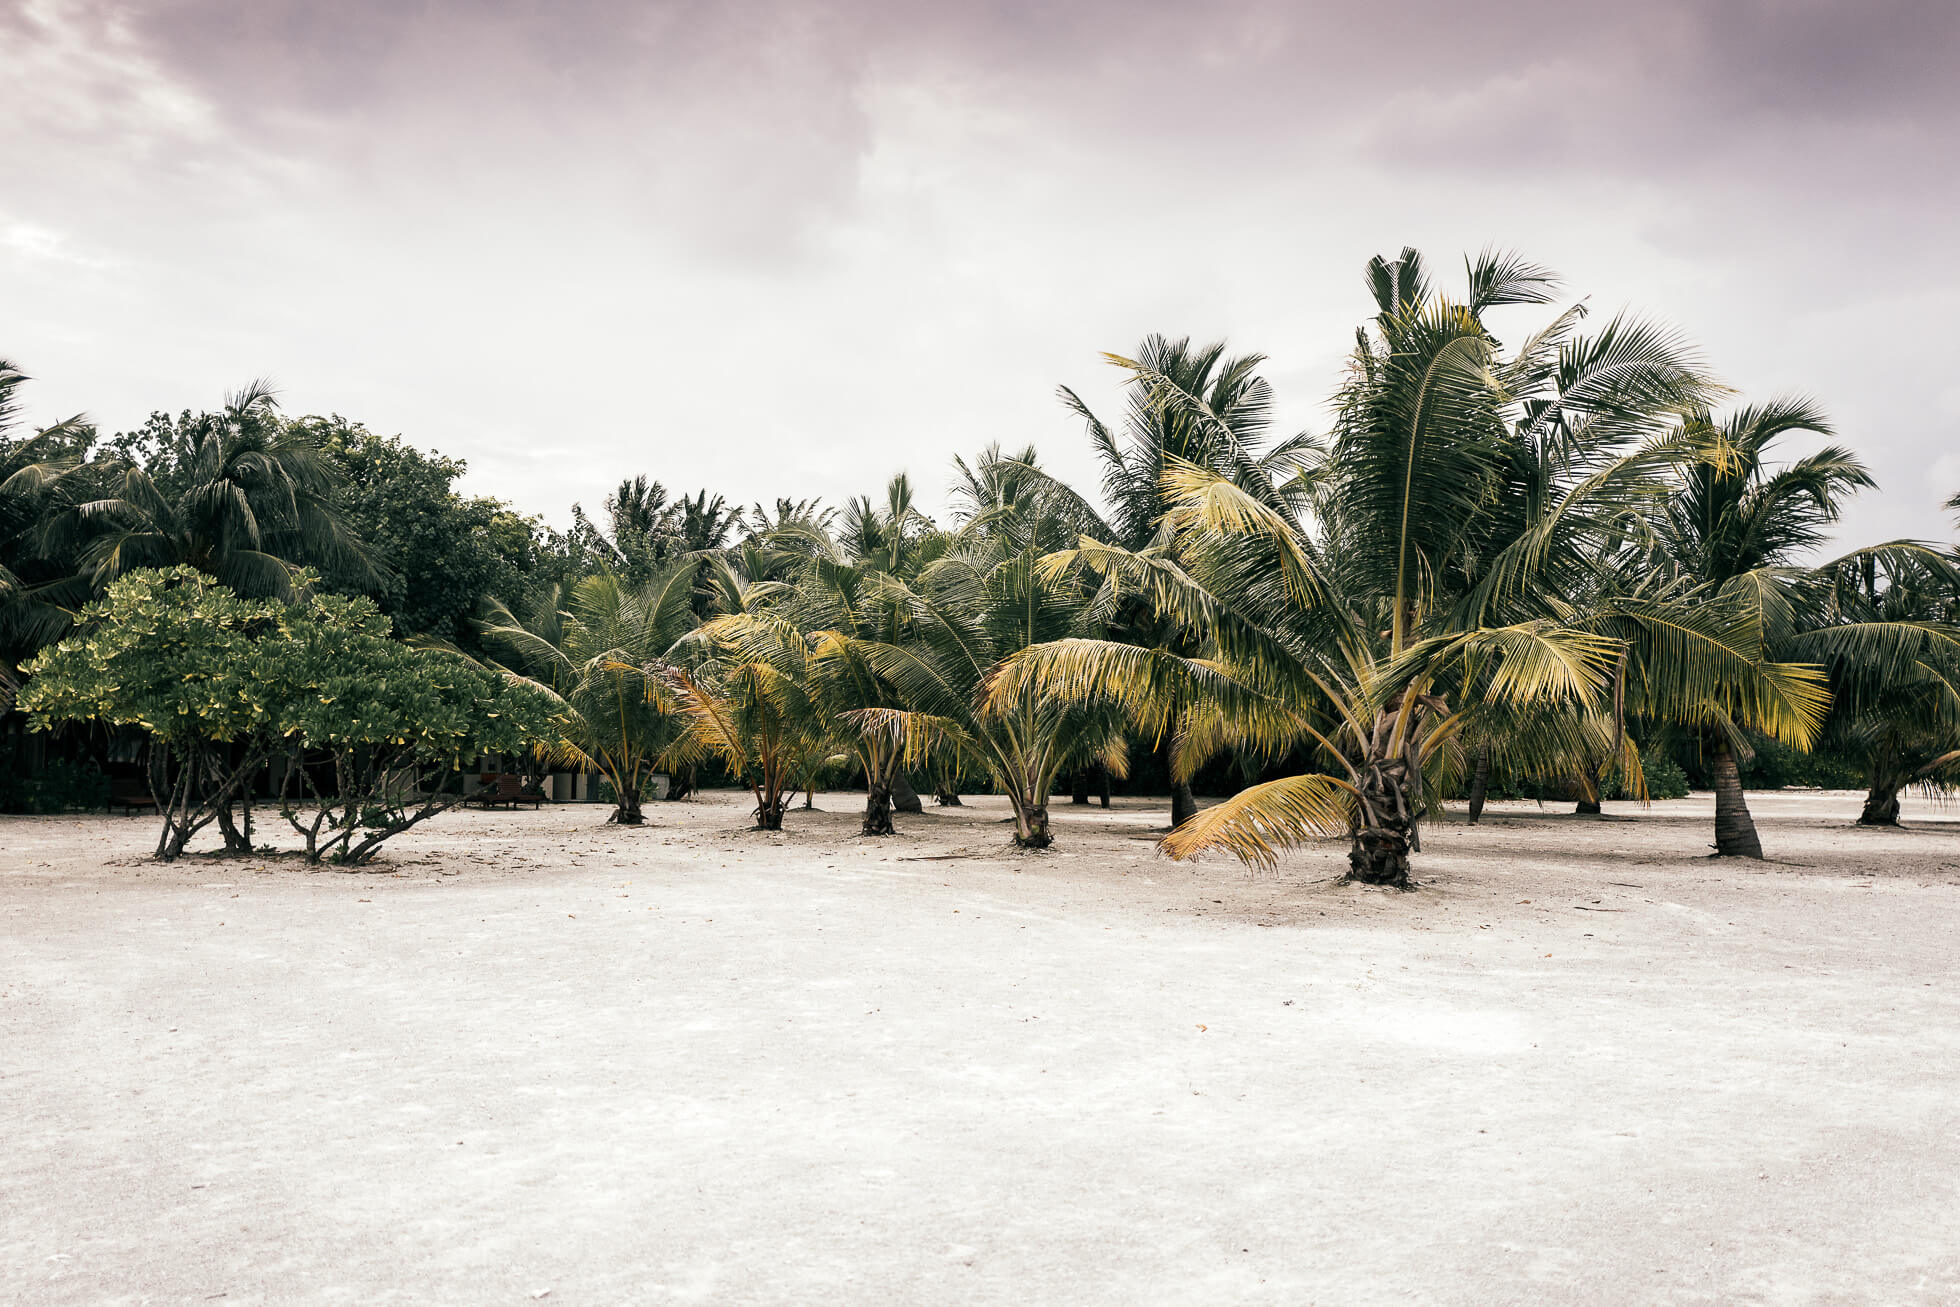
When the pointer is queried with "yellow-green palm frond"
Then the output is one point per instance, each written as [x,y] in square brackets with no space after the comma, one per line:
[1527,663]
[1201,502]
[1257,824]
[1147,685]
[1260,729]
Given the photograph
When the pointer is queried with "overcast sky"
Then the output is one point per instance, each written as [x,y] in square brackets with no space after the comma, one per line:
[789,249]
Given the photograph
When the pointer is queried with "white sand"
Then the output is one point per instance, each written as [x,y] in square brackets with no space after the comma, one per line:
[692,1063]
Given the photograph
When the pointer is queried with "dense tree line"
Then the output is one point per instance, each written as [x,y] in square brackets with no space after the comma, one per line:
[1558,564]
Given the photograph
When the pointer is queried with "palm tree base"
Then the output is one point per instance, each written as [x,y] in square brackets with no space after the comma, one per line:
[878,811]
[1031,828]
[1735,829]
[1881,808]
[1379,856]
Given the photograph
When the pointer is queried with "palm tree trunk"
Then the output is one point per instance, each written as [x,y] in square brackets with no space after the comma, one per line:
[947,799]
[1078,787]
[629,811]
[1384,831]
[1588,804]
[877,806]
[1030,823]
[904,797]
[1888,777]
[1735,829]
[1184,804]
[1102,785]
[769,806]
[1479,783]
[1881,807]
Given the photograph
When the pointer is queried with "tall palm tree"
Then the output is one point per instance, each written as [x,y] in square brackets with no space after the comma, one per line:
[842,597]
[249,500]
[592,656]
[1730,537]
[1404,606]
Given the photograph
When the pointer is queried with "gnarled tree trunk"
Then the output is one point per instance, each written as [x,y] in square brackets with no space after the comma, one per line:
[1735,829]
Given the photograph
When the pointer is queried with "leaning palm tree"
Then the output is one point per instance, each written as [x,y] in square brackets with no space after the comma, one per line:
[590,650]
[248,501]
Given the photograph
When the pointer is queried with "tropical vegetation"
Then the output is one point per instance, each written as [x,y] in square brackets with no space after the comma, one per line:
[1560,558]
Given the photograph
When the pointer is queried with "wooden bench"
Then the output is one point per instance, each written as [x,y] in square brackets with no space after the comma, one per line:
[130,793]
[507,790]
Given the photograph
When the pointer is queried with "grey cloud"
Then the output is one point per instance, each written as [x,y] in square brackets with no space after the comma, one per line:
[786,218]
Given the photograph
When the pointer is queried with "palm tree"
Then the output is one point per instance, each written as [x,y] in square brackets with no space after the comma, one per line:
[1223,423]
[756,704]
[1412,598]
[247,499]
[1882,621]
[592,656]
[36,591]
[846,602]
[965,616]
[1729,538]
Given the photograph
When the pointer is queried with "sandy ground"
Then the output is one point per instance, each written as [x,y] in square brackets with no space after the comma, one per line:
[540,1059]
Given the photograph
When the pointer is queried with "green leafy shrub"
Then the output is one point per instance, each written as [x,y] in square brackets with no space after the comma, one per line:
[223,682]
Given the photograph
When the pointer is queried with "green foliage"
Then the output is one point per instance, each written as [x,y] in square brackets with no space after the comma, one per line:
[172,652]
[239,494]
[383,714]
[437,552]
[1777,766]
[223,681]
[1664,778]
[590,656]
